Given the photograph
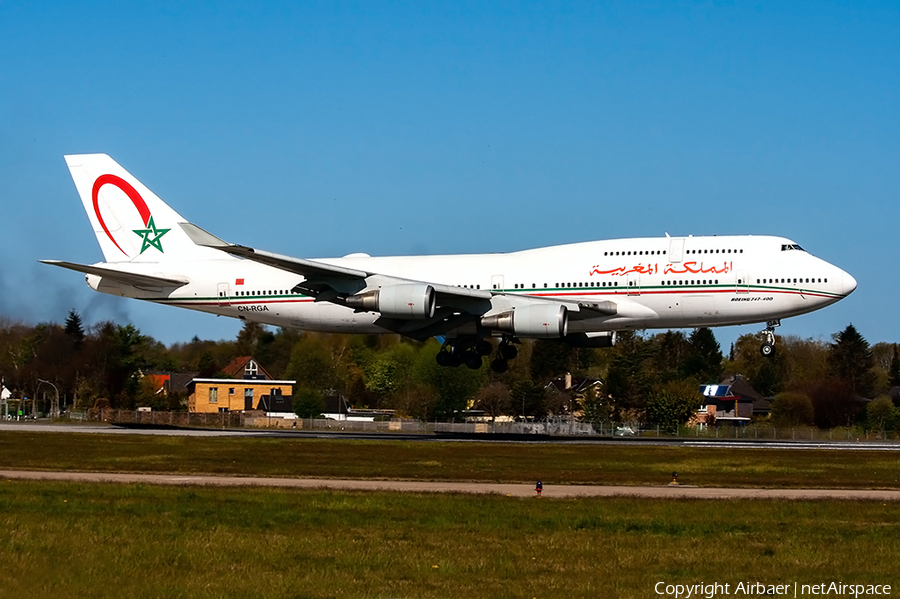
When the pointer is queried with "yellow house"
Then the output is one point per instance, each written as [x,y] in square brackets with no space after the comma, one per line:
[230,395]
[255,391]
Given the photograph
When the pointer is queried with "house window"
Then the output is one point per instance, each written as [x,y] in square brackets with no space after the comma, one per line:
[248,394]
[251,370]
[213,395]
[230,390]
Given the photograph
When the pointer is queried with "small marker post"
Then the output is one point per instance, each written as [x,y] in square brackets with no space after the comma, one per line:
[674,478]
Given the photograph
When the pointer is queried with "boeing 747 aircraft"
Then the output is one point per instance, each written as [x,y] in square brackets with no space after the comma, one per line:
[580,294]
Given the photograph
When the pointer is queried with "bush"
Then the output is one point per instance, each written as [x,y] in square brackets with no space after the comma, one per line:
[792,409]
[308,403]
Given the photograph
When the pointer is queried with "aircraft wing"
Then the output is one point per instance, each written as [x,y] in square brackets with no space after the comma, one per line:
[323,280]
[128,278]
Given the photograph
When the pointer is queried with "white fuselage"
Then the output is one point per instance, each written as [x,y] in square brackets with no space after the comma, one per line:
[656,283]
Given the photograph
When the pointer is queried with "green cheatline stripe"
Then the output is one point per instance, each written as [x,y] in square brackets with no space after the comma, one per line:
[674,288]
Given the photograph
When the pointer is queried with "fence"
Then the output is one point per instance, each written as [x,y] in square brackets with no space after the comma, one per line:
[547,426]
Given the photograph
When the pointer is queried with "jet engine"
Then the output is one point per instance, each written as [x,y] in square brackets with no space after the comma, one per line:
[413,301]
[542,321]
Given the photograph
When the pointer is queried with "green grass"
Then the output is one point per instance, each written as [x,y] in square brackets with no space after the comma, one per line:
[417,460]
[106,540]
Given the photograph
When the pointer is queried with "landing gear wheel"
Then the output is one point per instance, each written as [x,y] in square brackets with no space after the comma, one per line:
[483,347]
[499,365]
[508,352]
[767,350]
[448,358]
[472,360]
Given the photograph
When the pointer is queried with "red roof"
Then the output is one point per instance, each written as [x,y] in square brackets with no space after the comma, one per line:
[235,369]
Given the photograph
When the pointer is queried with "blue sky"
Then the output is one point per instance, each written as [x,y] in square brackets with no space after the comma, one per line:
[320,129]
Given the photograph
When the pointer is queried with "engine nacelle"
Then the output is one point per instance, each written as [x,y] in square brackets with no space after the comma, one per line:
[541,321]
[413,301]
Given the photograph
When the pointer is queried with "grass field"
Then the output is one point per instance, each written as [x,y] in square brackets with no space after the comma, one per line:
[491,462]
[106,540]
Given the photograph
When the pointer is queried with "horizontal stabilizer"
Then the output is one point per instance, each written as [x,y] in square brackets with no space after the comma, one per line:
[128,278]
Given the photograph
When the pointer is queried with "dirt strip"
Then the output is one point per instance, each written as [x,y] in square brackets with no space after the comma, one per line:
[510,489]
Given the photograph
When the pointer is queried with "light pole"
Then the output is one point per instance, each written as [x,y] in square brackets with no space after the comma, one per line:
[54,405]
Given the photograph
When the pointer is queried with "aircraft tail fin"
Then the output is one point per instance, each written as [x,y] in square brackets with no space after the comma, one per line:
[132,224]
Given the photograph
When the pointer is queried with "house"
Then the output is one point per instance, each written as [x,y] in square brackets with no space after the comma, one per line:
[166,383]
[247,387]
[733,401]
[568,392]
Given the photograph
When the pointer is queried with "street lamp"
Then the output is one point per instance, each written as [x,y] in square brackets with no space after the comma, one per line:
[54,406]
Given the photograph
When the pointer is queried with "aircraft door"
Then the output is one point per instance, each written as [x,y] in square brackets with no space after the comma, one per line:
[742,281]
[676,250]
[634,284]
[497,282]
[223,294]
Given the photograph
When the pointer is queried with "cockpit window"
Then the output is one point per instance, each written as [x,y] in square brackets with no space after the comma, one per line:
[785,247]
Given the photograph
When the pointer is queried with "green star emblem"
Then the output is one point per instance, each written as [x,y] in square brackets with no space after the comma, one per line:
[151,236]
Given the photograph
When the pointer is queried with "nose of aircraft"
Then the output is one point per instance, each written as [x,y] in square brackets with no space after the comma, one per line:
[848,284]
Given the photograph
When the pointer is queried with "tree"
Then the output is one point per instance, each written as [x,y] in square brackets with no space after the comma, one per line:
[630,380]
[452,387]
[881,413]
[894,371]
[850,359]
[494,399]
[673,405]
[528,399]
[595,408]
[550,358]
[249,337]
[767,375]
[308,403]
[74,329]
[792,409]
[673,350]
[704,362]
[311,364]
[834,403]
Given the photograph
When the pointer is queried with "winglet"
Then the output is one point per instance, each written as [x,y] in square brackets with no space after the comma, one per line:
[201,237]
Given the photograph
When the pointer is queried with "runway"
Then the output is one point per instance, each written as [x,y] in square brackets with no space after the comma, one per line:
[508,489]
[847,445]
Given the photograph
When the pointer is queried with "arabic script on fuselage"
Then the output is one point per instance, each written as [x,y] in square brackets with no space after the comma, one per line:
[693,267]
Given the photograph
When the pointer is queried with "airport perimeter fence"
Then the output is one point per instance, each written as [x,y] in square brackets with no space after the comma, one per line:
[760,431]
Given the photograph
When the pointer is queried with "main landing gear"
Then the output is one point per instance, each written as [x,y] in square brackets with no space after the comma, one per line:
[506,351]
[456,352]
[768,347]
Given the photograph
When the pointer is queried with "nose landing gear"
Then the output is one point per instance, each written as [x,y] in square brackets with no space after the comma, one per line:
[768,347]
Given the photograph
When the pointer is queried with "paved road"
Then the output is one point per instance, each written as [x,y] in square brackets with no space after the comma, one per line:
[325,434]
[510,489]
